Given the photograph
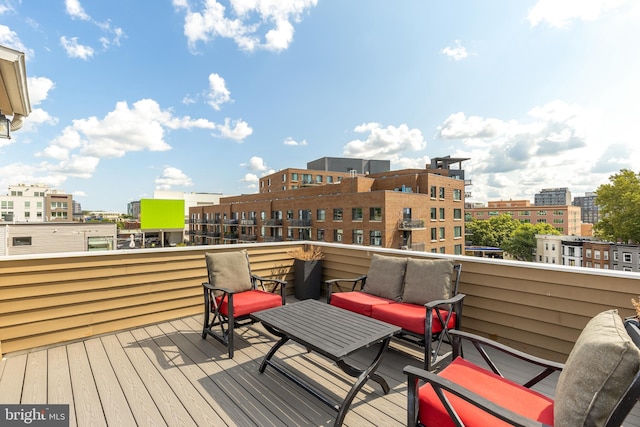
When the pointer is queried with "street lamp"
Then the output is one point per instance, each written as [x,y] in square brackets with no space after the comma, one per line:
[5,124]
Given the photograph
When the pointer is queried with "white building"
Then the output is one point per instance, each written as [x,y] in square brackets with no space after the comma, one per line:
[24,203]
[56,237]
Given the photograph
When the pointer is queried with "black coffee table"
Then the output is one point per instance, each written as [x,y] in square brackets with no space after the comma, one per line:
[332,332]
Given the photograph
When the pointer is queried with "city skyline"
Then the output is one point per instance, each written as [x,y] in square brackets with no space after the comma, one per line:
[208,97]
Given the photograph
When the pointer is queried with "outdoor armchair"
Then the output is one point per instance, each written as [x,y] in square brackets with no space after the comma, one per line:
[233,293]
[597,386]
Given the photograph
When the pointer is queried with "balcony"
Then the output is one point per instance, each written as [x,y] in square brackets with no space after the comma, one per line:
[299,223]
[272,223]
[117,334]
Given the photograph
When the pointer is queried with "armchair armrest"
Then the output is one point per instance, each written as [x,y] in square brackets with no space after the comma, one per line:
[441,384]
[480,343]
[454,300]
[277,283]
[329,284]
[210,287]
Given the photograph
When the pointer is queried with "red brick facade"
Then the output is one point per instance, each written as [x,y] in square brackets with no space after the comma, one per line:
[407,208]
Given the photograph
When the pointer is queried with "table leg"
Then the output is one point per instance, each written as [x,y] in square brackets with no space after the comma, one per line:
[271,352]
[363,376]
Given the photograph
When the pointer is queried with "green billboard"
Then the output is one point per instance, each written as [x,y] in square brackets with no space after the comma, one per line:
[157,214]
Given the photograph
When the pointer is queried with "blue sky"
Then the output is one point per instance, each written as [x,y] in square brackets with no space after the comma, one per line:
[195,96]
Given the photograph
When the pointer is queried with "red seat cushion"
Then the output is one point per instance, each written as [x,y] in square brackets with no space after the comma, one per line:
[358,302]
[248,302]
[410,317]
[501,391]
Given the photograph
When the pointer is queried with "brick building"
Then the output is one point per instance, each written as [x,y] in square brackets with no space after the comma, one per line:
[420,209]
[564,218]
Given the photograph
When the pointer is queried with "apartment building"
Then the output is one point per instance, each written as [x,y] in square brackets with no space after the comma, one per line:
[420,209]
[590,210]
[564,218]
[597,254]
[35,203]
[552,197]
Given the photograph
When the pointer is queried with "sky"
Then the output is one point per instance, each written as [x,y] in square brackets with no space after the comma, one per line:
[129,97]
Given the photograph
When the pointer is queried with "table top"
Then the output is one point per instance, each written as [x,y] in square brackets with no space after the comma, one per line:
[328,330]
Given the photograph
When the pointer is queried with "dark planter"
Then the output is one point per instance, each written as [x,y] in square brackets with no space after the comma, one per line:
[308,278]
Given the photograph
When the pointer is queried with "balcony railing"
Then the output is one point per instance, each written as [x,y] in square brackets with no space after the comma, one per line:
[272,223]
[300,223]
[52,298]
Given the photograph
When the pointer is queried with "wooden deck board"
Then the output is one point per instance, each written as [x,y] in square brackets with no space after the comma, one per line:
[166,374]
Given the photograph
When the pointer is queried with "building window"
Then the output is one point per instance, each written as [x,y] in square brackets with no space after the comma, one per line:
[606,255]
[457,214]
[626,256]
[329,180]
[432,191]
[441,192]
[27,214]
[434,214]
[306,178]
[542,212]
[615,255]
[434,234]
[587,253]
[457,194]
[319,179]
[375,238]
[441,233]
[284,177]
[22,241]
[525,213]
[27,205]
[441,214]
[320,214]
[337,214]
[337,235]
[356,214]
[375,214]
[596,254]
[457,232]
[320,234]
[358,237]
[457,250]
[289,214]
[294,176]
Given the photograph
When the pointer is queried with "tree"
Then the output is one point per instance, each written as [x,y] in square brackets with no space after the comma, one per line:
[522,242]
[492,232]
[619,203]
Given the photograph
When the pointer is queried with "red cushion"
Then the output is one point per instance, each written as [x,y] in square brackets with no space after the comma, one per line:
[248,302]
[410,317]
[358,302]
[501,391]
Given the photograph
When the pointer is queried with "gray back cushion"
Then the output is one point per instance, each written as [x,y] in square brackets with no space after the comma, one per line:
[229,270]
[385,277]
[598,370]
[427,280]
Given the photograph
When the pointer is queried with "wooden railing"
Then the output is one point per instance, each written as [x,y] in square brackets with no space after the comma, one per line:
[47,299]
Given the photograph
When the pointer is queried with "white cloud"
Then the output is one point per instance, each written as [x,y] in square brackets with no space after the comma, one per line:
[250,177]
[555,147]
[292,142]
[246,22]
[10,39]
[457,52]
[75,10]
[75,49]
[121,131]
[79,193]
[172,177]
[237,130]
[39,88]
[37,117]
[560,14]
[218,93]
[384,143]
[256,164]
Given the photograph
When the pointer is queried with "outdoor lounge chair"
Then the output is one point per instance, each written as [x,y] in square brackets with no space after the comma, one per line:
[233,293]
[598,385]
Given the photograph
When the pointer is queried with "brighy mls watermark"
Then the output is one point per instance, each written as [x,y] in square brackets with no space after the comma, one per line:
[34,415]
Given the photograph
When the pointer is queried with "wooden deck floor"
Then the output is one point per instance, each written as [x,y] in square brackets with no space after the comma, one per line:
[166,374]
